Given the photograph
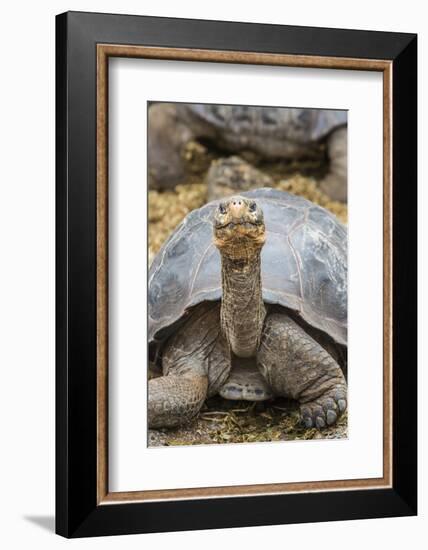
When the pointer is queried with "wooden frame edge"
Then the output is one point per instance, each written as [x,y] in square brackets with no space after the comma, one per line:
[104,51]
[102,274]
[387,275]
[251,58]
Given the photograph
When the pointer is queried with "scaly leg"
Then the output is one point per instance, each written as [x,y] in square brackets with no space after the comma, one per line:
[296,366]
[195,364]
[175,400]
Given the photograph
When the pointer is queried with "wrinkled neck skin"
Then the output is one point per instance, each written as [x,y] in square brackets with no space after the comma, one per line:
[242,308]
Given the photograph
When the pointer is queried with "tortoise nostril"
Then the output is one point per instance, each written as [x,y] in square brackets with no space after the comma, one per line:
[237,208]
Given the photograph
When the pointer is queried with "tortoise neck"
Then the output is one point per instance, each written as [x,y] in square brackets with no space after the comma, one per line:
[242,308]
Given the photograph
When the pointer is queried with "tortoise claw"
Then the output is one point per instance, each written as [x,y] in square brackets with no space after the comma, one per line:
[320,423]
[307,422]
[342,405]
[323,412]
[331,417]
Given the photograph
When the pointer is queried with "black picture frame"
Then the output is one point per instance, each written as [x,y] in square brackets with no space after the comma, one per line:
[78,513]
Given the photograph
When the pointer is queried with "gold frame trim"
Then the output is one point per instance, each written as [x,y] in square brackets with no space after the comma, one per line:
[104,51]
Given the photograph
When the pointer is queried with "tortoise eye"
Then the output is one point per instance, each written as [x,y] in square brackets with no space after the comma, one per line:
[252,207]
[222,208]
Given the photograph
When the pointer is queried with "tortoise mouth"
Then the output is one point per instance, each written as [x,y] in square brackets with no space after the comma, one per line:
[243,223]
[238,238]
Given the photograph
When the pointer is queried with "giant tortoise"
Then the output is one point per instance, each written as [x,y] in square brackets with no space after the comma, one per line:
[272,132]
[248,299]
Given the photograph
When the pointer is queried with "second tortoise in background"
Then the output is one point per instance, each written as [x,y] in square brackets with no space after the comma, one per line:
[271,132]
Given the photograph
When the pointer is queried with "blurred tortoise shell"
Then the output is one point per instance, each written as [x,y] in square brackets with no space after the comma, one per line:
[246,123]
[303,263]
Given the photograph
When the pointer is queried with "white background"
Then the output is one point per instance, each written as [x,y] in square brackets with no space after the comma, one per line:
[132,466]
[27,274]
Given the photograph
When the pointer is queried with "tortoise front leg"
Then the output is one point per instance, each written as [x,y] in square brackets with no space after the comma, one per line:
[335,182]
[296,366]
[195,364]
[167,137]
[175,399]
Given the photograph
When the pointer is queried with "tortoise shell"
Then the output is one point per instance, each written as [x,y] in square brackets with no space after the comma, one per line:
[303,262]
[245,122]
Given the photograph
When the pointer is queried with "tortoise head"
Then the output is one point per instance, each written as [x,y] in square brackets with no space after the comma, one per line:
[239,229]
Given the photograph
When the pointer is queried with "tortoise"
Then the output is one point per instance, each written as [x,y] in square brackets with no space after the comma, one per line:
[233,175]
[248,299]
[272,132]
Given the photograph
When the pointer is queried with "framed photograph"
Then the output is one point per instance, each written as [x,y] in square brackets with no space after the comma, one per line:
[236,274]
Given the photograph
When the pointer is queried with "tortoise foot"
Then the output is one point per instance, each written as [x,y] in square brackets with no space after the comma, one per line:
[324,411]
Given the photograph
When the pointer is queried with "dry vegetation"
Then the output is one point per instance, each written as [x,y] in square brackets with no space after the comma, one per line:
[223,421]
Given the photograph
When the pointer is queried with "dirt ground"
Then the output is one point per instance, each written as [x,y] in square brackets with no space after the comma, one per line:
[224,421]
